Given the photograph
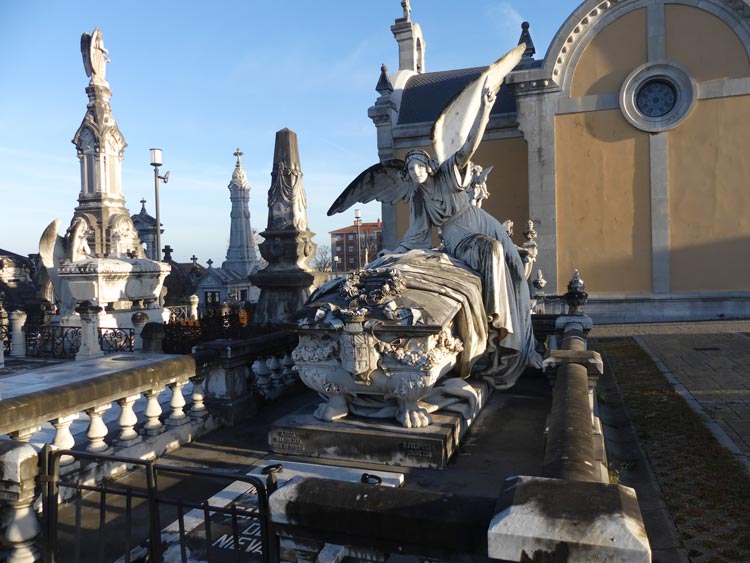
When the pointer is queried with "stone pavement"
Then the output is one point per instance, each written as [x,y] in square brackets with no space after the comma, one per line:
[709,365]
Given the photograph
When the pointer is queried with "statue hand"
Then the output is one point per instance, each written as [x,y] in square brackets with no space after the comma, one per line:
[488,96]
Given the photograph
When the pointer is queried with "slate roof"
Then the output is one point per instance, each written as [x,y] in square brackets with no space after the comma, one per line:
[425,95]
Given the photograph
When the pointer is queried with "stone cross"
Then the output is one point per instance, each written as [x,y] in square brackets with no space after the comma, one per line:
[209,262]
[194,258]
[238,154]
[167,253]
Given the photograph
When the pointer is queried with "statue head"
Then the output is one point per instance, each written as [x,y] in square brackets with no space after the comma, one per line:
[419,166]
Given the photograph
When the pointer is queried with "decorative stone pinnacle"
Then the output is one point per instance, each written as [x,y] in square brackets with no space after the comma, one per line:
[576,296]
[526,39]
[384,85]
[539,282]
[209,262]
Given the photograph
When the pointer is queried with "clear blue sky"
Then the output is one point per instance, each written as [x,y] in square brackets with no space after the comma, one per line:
[199,79]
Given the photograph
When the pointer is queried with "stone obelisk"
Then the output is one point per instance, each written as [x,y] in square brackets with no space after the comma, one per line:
[242,254]
[286,282]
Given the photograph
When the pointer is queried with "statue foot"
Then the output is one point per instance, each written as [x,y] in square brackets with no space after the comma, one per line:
[334,408]
[412,416]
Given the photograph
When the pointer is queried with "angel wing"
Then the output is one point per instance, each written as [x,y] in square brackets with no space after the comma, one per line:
[52,246]
[452,127]
[483,176]
[86,53]
[383,182]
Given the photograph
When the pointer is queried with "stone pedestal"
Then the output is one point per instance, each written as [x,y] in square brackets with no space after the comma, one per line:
[369,441]
[139,320]
[18,339]
[89,331]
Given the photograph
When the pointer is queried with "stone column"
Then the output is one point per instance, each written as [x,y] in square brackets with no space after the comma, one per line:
[139,320]
[18,472]
[89,331]
[537,103]
[18,340]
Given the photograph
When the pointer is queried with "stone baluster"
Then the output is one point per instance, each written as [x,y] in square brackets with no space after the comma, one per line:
[19,468]
[24,434]
[97,429]
[128,419]
[287,372]
[262,381]
[199,408]
[17,338]
[63,436]
[177,403]
[153,426]
[277,381]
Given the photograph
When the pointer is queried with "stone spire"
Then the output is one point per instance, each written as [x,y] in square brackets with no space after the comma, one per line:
[242,254]
[286,281]
[100,146]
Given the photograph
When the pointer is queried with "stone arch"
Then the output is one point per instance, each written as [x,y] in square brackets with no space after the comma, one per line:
[592,16]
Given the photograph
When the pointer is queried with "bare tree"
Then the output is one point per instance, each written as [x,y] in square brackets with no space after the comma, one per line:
[323,260]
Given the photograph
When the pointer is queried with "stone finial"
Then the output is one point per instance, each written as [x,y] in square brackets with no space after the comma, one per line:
[539,282]
[384,85]
[529,233]
[209,262]
[526,39]
[194,260]
[238,153]
[576,296]
[168,253]
[143,205]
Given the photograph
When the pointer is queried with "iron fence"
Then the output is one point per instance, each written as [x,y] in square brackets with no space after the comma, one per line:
[210,515]
[180,336]
[63,342]
[5,338]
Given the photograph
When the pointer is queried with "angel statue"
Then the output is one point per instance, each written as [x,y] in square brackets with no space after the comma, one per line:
[439,196]
[95,57]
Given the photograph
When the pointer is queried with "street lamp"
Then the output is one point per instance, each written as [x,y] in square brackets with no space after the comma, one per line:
[358,222]
[335,264]
[156,162]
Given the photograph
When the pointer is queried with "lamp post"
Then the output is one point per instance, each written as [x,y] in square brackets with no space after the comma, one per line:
[156,162]
[358,223]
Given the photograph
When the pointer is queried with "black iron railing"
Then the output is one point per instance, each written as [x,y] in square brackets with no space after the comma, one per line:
[180,336]
[156,509]
[5,338]
[63,342]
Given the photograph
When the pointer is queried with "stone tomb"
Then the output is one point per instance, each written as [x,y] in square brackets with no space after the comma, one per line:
[383,442]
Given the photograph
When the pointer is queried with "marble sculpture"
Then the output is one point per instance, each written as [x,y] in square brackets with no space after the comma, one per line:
[376,342]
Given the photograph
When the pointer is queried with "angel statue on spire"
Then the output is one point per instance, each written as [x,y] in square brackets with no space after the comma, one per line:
[438,194]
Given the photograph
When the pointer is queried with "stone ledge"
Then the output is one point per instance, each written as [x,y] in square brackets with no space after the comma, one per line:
[439,526]
[577,521]
[591,360]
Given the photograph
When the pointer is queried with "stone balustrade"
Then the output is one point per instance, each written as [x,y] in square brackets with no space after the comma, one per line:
[22,415]
[135,405]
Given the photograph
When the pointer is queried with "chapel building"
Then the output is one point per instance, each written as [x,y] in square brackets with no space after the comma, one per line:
[626,145]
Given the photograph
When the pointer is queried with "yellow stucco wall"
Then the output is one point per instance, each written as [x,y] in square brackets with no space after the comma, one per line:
[709,201]
[611,56]
[603,202]
[508,183]
[704,44]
